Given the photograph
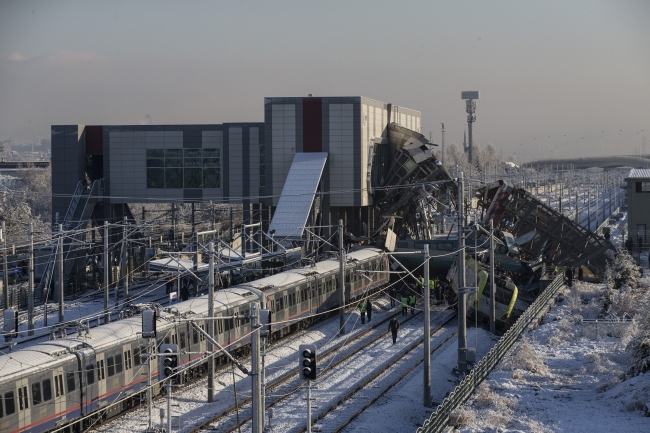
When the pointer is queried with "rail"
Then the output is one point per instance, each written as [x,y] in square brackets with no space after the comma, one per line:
[440,418]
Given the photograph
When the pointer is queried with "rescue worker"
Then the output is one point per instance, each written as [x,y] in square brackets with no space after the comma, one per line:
[581,274]
[405,305]
[412,303]
[569,276]
[185,292]
[169,285]
[393,326]
[362,310]
[369,306]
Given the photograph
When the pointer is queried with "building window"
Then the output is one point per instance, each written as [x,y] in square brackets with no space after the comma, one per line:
[183,168]
[643,187]
[262,165]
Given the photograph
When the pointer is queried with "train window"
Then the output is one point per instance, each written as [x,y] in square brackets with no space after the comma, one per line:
[292,299]
[167,339]
[175,339]
[23,402]
[127,360]
[100,374]
[10,404]
[182,339]
[47,390]
[195,336]
[118,364]
[36,393]
[110,363]
[445,246]
[219,327]
[202,335]
[90,374]
[136,355]
[70,380]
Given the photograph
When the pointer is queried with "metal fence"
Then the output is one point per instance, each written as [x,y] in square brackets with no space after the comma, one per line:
[440,418]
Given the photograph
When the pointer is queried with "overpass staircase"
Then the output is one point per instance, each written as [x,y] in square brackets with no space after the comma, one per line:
[78,215]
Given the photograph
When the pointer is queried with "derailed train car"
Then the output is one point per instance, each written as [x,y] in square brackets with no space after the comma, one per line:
[74,383]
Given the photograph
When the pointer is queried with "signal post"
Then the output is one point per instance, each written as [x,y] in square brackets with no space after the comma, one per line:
[307,371]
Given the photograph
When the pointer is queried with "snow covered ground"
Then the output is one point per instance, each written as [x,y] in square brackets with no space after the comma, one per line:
[568,375]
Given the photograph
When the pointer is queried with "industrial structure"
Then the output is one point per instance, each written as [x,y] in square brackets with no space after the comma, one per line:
[638,204]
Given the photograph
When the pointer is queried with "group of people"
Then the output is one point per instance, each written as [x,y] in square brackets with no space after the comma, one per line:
[569,273]
[185,287]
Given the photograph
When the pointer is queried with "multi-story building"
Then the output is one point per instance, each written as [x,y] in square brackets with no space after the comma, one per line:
[244,163]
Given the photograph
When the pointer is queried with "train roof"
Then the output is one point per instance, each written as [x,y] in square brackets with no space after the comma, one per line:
[27,361]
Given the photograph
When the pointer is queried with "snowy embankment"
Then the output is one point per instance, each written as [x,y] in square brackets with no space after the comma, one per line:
[572,374]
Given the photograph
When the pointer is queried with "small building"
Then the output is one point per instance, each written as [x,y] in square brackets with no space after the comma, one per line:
[638,204]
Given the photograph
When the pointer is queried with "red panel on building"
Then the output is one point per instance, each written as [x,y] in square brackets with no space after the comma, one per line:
[94,140]
[312,125]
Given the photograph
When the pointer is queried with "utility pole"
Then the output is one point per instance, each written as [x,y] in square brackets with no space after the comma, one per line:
[427,330]
[341,281]
[60,275]
[462,296]
[492,287]
[231,226]
[5,268]
[258,409]
[107,316]
[30,294]
[123,267]
[195,260]
[597,208]
[211,322]
[589,207]
[443,144]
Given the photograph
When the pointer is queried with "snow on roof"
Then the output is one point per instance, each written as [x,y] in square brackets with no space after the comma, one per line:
[639,173]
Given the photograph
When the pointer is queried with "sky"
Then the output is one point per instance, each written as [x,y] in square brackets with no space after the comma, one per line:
[557,78]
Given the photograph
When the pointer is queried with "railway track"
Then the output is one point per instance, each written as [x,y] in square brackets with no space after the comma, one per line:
[376,377]
[40,311]
[288,384]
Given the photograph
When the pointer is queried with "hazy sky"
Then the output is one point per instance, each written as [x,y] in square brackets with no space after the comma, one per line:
[544,68]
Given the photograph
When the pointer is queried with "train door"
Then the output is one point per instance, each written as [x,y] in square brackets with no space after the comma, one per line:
[292,300]
[24,403]
[59,393]
[90,380]
[100,378]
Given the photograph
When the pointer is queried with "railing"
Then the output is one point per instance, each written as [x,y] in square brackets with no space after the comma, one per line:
[439,419]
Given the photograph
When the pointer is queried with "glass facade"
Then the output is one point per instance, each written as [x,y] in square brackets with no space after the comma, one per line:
[183,168]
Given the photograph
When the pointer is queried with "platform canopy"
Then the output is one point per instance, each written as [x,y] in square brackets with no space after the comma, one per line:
[298,195]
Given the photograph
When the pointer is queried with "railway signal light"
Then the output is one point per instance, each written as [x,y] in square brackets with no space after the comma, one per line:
[168,360]
[307,361]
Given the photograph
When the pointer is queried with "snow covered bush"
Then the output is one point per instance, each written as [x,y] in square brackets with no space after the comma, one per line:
[523,356]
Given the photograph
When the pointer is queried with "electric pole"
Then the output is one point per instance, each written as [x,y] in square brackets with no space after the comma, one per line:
[60,275]
[462,296]
[211,322]
[427,330]
[493,313]
[107,316]
[30,294]
[341,281]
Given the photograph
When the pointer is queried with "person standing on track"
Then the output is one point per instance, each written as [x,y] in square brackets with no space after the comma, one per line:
[412,303]
[369,306]
[393,326]
[405,305]
[393,295]
[362,310]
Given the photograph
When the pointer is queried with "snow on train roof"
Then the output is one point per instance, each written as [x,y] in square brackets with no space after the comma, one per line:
[31,359]
[298,275]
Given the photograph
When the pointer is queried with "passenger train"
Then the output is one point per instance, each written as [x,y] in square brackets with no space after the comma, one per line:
[73,383]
